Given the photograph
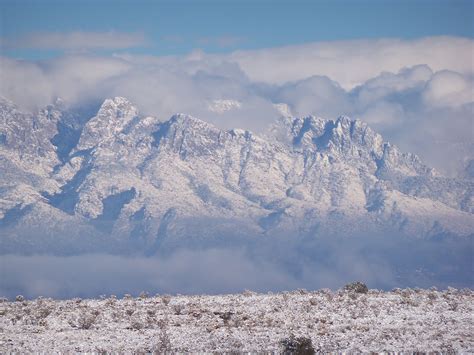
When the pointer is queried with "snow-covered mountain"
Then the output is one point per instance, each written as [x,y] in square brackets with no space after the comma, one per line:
[115,180]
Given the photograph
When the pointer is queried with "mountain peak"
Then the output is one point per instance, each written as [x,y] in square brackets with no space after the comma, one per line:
[118,107]
[187,120]
[113,116]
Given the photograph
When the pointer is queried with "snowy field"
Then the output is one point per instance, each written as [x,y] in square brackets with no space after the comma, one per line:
[400,320]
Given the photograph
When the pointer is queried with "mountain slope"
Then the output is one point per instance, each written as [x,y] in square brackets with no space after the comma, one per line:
[144,183]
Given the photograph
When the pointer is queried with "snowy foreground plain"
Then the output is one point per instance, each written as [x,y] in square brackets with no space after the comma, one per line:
[400,320]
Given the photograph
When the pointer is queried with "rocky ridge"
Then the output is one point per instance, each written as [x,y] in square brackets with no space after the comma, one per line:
[143,182]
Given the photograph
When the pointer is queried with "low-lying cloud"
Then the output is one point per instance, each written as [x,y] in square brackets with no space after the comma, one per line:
[275,264]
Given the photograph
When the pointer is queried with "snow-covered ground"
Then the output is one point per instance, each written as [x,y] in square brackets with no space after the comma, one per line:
[400,320]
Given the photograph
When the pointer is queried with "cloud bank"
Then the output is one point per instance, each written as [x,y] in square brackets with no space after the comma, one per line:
[417,93]
[352,63]
[278,264]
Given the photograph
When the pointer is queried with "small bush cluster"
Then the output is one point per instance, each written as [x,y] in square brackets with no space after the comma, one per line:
[166,299]
[357,287]
[85,320]
[298,346]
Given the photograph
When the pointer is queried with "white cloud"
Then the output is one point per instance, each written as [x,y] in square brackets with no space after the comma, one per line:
[316,95]
[389,83]
[73,78]
[78,40]
[448,88]
[383,113]
[25,83]
[417,93]
[351,63]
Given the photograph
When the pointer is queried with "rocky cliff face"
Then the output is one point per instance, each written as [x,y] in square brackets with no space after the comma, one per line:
[119,180]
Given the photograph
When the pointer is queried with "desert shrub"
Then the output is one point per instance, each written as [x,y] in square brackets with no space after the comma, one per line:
[163,344]
[86,320]
[129,311]
[43,312]
[248,293]
[137,324]
[151,312]
[357,287]
[178,309]
[166,299]
[353,295]
[300,346]
[111,301]
[225,316]
[453,305]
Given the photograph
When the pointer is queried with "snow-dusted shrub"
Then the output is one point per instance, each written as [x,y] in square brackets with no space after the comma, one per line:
[136,323]
[407,292]
[151,312]
[453,305]
[178,309]
[297,346]
[127,296]
[143,295]
[357,287]
[116,316]
[225,316]
[85,320]
[44,311]
[248,293]
[19,298]
[166,299]
[3,299]
[129,311]
[324,291]
[408,300]
[111,301]
[163,345]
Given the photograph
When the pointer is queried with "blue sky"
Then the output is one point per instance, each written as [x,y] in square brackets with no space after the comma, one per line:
[177,27]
